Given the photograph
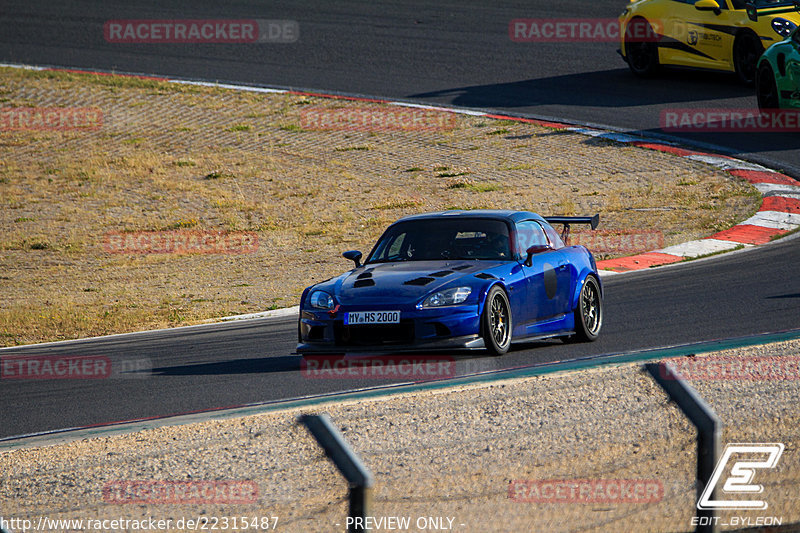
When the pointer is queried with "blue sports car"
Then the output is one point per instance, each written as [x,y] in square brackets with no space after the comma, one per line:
[456,280]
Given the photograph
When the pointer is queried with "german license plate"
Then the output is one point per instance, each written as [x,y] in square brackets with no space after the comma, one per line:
[371,317]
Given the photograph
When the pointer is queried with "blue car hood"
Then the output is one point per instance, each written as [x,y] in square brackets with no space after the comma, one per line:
[406,281]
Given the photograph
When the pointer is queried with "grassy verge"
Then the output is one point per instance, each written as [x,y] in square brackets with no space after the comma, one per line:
[182,158]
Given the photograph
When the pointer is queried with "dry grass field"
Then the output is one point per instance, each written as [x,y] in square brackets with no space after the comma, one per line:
[169,157]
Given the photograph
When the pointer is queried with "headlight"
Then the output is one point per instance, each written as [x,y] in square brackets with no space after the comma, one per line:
[783,27]
[447,297]
[321,300]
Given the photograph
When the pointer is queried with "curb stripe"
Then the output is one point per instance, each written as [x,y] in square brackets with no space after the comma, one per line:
[760,176]
[778,189]
[768,182]
[668,148]
[774,219]
[638,262]
[701,247]
[781,203]
[747,234]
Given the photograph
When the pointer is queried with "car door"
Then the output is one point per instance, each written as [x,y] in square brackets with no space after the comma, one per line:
[697,38]
[547,276]
[566,272]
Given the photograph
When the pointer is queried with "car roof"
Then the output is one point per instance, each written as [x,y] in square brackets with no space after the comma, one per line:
[495,214]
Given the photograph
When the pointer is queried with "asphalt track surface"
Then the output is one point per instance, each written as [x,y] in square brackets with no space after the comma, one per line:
[455,53]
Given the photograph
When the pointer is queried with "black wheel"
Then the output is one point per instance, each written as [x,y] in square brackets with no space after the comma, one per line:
[496,322]
[589,312]
[746,51]
[641,48]
[766,89]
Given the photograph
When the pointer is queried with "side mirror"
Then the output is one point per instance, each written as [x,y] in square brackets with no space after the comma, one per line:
[708,5]
[535,249]
[752,12]
[354,256]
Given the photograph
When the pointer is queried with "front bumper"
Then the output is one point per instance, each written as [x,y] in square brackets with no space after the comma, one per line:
[450,328]
[467,342]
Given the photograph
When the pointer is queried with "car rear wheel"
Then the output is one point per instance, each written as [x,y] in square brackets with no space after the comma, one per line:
[589,312]
[746,51]
[766,89]
[641,49]
[496,322]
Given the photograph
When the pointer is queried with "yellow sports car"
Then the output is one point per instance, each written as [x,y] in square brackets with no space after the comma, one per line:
[727,35]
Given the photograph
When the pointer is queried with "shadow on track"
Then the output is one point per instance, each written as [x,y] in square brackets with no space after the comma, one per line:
[470,361]
[603,88]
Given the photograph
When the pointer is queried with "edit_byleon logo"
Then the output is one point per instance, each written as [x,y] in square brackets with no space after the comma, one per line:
[751,458]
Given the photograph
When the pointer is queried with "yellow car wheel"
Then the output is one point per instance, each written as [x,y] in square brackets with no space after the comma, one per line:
[641,53]
[746,51]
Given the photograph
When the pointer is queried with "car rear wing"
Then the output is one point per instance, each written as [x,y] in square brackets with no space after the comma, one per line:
[593,221]
[754,11]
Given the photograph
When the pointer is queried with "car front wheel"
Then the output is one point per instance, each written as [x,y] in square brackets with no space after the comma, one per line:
[496,322]
[766,89]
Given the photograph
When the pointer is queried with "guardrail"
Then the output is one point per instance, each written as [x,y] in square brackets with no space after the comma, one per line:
[349,464]
[709,429]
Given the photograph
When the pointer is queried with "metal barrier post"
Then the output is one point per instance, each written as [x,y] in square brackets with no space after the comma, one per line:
[709,429]
[349,464]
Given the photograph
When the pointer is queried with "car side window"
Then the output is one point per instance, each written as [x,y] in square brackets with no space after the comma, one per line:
[396,246]
[553,236]
[529,233]
[391,248]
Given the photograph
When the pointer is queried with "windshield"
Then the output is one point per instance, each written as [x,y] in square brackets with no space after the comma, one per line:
[430,239]
[763,4]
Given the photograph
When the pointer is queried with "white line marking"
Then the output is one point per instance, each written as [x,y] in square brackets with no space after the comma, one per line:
[776,189]
[774,219]
[699,247]
[610,135]
[726,163]
[272,313]
[230,86]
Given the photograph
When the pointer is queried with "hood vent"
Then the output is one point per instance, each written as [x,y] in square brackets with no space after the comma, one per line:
[441,273]
[461,267]
[364,283]
[419,281]
[485,275]
[365,275]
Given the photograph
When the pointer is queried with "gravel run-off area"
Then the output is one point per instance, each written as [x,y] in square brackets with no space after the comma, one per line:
[499,456]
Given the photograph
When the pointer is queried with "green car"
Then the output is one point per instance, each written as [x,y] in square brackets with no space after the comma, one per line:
[778,75]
